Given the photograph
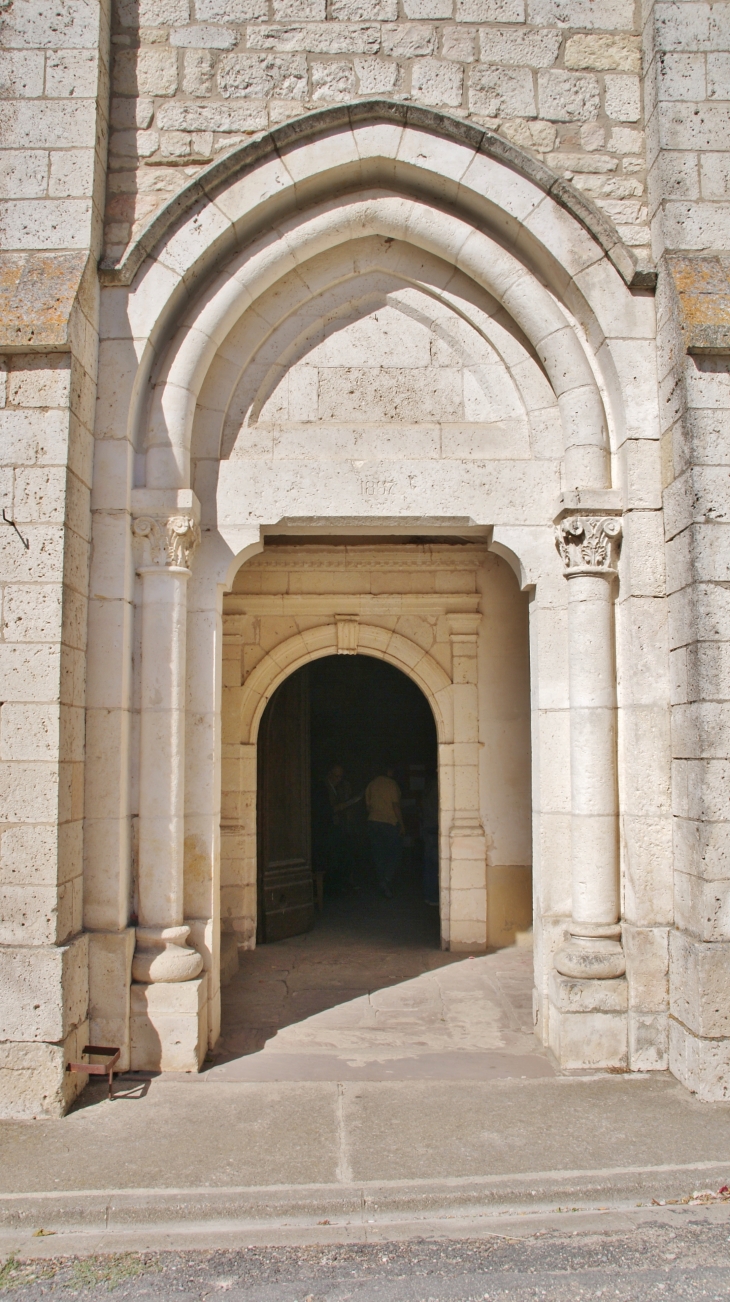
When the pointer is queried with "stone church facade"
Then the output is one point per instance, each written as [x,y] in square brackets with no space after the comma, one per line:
[398,329]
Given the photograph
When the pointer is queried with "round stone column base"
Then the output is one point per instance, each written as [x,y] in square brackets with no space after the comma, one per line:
[162,954]
[591,953]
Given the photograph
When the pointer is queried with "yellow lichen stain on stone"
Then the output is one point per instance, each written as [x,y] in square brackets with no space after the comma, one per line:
[37,296]
[703,291]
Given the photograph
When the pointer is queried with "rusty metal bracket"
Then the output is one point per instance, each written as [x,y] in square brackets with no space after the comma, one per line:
[98,1068]
[14,526]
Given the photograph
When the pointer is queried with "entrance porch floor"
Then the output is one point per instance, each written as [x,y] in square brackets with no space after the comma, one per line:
[403,1094]
[368,995]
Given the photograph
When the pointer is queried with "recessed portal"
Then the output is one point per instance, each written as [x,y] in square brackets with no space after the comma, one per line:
[347,799]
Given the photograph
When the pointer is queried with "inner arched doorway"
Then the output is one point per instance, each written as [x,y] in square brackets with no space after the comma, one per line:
[347,800]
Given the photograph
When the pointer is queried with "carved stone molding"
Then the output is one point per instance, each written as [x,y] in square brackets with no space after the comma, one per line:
[463,627]
[588,544]
[348,631]
[167,541]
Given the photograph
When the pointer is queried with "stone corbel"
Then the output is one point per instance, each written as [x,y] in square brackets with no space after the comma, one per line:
[348,632]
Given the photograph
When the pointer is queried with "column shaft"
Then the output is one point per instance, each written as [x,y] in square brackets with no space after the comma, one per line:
[162,746]
[594,834]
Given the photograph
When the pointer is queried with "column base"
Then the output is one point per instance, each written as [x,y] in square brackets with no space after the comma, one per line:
[591,953]
[169,1025]
[588,1022]
[163,954]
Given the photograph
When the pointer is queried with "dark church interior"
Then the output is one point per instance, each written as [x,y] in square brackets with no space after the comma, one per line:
[354,718]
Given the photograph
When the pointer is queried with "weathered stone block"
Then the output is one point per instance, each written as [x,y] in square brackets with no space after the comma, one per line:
[168,1025]
[43,991]
[501,92]
[437,82]
[318,38]
[151,70]
[72,73]
[582,1039]
[202,37]
[31,26]
[604,52]
[536,49]
[702,907]
[568,96]
[258,76]
[359,11]
[110,969]
[648,1041]
[377,76]
[408,40]
[570,995]
[21,74]
[702,1065]
[34,1081]
[647,967]
[613,15]
[699,977]
[333,82]
[490,11]
[459,44]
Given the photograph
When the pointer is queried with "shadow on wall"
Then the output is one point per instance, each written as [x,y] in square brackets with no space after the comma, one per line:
[145,169]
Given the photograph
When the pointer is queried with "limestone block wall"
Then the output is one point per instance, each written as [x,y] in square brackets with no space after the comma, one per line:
[47,450]
[192,78]
[408,591]
[53,103]
[687,89]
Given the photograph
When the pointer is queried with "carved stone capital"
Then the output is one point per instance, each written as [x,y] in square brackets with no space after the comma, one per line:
[588,544]
[167,541]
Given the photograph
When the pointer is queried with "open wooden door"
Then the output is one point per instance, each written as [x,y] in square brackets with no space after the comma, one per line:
[285,894]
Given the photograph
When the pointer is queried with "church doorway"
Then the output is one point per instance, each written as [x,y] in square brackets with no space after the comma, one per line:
[327,935]
[347,811]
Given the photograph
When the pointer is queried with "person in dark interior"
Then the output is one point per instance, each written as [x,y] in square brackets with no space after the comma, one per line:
[430,834]
[330,840]
[385,828]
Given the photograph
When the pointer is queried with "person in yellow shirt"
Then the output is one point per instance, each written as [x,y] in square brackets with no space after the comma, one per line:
[385,829]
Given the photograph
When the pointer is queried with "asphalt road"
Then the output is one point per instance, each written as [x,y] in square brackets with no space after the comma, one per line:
[688,1259]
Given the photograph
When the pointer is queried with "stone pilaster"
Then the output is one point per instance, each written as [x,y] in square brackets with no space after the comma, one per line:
[468,847]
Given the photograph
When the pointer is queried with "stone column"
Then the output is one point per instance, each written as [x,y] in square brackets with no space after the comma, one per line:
[165,1021]
[590,1029]
[468,850]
